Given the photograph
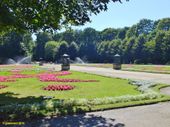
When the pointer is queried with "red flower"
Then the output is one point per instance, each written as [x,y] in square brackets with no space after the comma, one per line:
[55,87]
[3,86]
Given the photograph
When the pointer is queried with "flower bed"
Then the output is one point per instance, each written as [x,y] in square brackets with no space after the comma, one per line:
[3,79]
[55,87]
[21,76]
[53,78]
[62,73]
[3,86]
[16,71]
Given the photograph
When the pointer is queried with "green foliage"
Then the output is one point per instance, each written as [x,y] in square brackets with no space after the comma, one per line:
[63,49]
[107,49]
[73,50]
[51,48]
[39,50]
[109,34]
[47,14]
[114,91]
[13,44]
[144,42]
[164,24]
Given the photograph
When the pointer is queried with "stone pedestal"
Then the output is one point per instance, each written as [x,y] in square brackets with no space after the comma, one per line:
[41,62]
[65,63]
[117,62]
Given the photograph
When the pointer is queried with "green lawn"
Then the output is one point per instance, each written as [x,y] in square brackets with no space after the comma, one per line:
[106,87]
[86,96]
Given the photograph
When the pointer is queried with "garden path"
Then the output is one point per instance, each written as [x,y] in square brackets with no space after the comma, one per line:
[158,78]
[157,115]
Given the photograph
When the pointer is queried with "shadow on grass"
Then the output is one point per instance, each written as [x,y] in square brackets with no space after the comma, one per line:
[21,108]
[76,121]
[36,119]
[10,98]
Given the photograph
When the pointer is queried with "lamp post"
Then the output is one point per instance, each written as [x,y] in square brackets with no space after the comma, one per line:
[117,62]
[65,63]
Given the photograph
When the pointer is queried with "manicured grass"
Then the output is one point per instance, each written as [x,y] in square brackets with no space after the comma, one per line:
[165,69]
[106,87]
[147,68]
[4,73]
[86,96]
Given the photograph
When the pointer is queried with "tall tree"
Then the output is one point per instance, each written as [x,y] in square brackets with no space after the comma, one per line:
[51,48]
[45,14]
[63,49]
[11,45]
[164,24]
[139,49]
[39,50]
[109,34]
[73,50]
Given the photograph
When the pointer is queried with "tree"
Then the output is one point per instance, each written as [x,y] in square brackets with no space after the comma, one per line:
[103,51]
[132,32]
[28,43]
[162,47]
[149,48]
[89,39]
[34,15]
[39,50]
[159,48]
[164,24]
[122,33]
[145,26]
[128,49]
[68,36]
[109,34]
[73,50]
[139,49]
[51,48]
[63,49]
[107,50]
[11,45]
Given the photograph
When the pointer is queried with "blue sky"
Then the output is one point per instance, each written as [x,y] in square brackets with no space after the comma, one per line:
[128,13]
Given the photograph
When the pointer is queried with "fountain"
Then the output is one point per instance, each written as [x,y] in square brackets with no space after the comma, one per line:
[10,61]
[78,61]
[24,60]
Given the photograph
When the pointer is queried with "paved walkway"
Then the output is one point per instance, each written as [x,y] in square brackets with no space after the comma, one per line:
[157,115]
[159,78]
[154,77]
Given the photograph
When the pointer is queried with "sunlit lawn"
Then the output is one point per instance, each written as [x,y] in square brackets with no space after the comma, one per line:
[106,87]
[29,94]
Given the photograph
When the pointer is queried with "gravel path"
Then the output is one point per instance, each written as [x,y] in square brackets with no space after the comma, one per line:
[166,90]
[159,78]
[154,77]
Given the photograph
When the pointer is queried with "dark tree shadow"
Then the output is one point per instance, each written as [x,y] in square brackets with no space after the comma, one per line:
[65,121]
[10,98]
[75,121]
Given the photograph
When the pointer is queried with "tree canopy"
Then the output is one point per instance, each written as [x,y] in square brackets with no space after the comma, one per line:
[34,15]
[147,41]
